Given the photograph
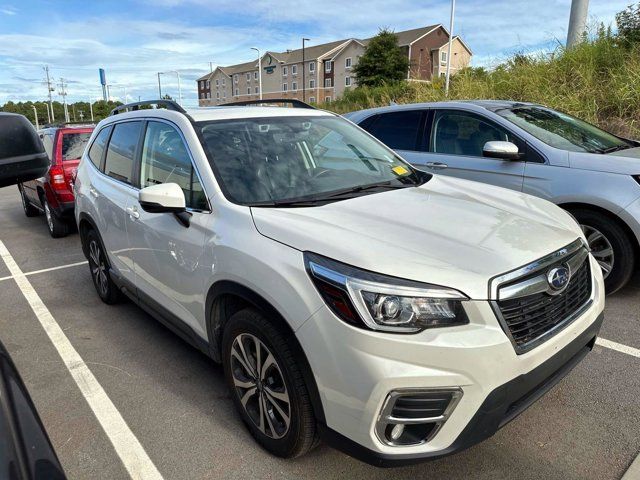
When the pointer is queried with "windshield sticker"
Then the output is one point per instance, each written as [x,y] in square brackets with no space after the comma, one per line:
[399,170]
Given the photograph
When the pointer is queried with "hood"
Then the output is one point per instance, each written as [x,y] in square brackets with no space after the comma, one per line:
[625,162]
[448,232]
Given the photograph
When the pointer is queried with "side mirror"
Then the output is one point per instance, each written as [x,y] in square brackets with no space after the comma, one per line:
[22,155]
[163,198]
[501,150]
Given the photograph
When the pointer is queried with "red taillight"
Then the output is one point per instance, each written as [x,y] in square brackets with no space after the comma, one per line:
[57,178]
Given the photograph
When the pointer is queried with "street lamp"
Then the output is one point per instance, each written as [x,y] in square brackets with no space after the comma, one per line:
[446,81]
[35,114]
[304,69]
[259,71]
[179,87]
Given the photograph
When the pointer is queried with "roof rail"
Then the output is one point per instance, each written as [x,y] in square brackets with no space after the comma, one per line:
[294,103]
[168,104]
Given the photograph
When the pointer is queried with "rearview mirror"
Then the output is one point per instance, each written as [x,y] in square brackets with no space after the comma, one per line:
[22,155]
[501,150]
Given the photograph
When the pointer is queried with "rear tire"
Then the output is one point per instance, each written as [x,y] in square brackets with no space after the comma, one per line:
[267,385]
[57,227]
[29,210]
[99,267]
[610,245]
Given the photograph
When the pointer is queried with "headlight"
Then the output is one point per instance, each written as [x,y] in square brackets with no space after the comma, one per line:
[380,302]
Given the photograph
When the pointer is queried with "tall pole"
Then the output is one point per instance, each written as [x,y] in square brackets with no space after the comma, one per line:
[159,87]
[577,22]
[304,69]
[259,71]
[35,114]
[63,94]
[179,87]
[52,117]
[91,107]
[446,81]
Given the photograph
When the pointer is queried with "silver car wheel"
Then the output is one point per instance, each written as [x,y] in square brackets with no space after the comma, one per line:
[98,268]
[601,248]
[260,386]
[47,213]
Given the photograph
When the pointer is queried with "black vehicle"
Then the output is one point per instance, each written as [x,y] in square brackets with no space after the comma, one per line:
[22,154]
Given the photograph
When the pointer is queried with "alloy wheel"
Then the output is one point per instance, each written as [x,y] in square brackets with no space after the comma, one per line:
[47,213]
[98,268]
[260,386]
[601,248]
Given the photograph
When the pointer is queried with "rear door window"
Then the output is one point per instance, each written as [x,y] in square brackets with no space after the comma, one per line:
[121,152]
[73,145]
[398,130]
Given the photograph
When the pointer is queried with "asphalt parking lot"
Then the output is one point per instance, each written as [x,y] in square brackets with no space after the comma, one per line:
[176,404]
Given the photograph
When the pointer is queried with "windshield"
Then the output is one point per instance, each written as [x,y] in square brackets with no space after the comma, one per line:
[277,160]
[563,131]
[73,145]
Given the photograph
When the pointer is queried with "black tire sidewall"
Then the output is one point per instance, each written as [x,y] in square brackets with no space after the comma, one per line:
[245,322]
[112,294]
[59,228]
[623,248]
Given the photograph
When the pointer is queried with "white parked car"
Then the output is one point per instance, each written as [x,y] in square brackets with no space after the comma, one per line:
[399,316]
[592,174]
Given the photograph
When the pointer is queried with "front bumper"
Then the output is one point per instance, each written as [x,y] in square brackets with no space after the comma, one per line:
[500,407]
[355,370]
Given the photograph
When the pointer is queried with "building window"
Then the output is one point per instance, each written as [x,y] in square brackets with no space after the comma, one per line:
[284,87]
[248,75]
[294,69]
[312,99]
[208,94]
[208,84]
[201,96]
[312,66]
[327,82]
[223,82]
[235,78]
[347,81]
[347,62]
[327,99]
[257,90]
[217,82]
[248,90]
[327,66]
[443,57]
[255,75]
[285,71]
[312,83]
[217,94]
[237,92]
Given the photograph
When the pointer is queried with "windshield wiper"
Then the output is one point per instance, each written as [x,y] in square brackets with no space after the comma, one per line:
[617,148]
[364,188]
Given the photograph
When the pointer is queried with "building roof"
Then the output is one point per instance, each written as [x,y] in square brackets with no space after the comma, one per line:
[240,68]
[310,53]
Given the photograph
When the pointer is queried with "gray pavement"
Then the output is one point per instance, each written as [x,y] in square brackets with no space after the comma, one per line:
[176,403]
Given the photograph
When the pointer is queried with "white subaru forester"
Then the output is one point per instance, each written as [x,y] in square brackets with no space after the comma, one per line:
[398,315]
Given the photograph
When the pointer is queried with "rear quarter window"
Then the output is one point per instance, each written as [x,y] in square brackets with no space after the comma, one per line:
[97,147]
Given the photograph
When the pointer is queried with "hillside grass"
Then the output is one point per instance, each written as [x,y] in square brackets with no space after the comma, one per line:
[597,81]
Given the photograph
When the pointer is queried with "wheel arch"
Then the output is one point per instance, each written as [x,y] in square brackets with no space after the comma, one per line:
[86,223]
[225,298]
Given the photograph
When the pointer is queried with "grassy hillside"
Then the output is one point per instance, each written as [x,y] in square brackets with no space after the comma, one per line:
[598,81]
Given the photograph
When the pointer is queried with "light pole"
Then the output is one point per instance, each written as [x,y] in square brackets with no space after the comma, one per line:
[577,22]
[159,87]
[446,81]
[35,114]
[179,87]
[304,69]
[91,107]
[259,71]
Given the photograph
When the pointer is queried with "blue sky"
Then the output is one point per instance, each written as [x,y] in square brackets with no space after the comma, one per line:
[134,39]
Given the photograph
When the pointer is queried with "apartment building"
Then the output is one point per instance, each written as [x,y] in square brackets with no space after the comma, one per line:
[322,73]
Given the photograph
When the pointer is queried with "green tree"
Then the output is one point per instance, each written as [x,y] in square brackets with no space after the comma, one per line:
[628,22]
[383,61]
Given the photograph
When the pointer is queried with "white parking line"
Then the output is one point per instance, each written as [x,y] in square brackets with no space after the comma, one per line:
[618,347]
[127,446]
[51,269]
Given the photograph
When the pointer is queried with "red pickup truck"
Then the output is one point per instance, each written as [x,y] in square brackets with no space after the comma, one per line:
[53,193]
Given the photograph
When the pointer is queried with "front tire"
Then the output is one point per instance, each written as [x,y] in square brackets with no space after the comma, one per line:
[267,385]
[106,289]
[611,246]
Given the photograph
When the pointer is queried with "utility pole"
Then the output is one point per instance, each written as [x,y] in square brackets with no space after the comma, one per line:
[446,81]
[259,71]
[577,22]
[304,69]
[63,93]
[35,114]
[91,107]
[108,93]
[159,87]
[210,67]
[50,88]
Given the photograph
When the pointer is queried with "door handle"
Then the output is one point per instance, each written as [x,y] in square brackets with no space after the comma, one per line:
[437,165]
[133,213]
[93,191]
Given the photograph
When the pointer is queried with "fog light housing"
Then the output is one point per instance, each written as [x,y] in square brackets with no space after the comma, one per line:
[413,416]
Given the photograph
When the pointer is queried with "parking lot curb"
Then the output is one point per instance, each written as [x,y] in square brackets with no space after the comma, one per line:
[633,472]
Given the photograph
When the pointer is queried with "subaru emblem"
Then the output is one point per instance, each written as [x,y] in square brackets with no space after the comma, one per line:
[558,277]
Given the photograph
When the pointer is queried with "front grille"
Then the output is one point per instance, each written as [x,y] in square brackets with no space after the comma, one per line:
[528,318]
